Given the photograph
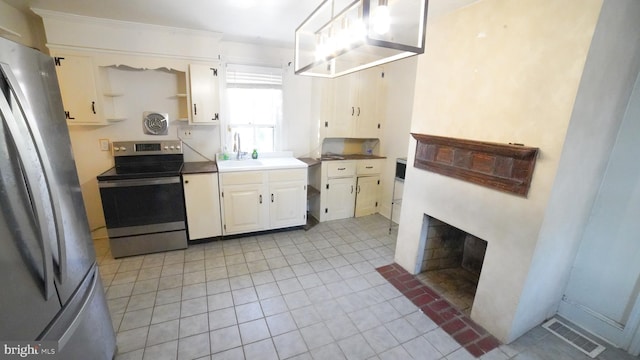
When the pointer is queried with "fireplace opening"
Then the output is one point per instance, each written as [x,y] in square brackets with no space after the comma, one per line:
[452,262]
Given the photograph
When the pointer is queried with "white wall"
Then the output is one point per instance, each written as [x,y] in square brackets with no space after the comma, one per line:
[117,42]
[144,90]
[295,132]
[499,71]
[612,66]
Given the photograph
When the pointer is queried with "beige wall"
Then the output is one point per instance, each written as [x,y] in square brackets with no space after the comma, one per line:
[502,71]
[399,82]
[27,25]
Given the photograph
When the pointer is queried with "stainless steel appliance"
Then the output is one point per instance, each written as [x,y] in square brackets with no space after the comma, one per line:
[51,289]
[142,198]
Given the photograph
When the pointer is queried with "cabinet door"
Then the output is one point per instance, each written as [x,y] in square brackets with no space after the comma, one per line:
[77,80]
[345,96]
[202,203]
[341,195]
[245,208]
[367,195]
[205,94]
[287,204]
[366,111]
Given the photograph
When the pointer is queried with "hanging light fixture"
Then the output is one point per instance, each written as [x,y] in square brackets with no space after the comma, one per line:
[343,36]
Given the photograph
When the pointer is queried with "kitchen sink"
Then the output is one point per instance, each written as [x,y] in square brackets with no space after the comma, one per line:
[265,163]
[241,163]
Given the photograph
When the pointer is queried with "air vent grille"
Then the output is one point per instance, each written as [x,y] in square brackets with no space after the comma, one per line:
[573,337]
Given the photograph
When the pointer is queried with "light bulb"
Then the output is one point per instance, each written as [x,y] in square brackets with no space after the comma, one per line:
[381,20]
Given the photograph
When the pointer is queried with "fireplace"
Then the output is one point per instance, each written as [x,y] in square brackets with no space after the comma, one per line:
[452,262]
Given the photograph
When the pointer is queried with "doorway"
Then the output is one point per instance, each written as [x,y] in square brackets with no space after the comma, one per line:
[602,294]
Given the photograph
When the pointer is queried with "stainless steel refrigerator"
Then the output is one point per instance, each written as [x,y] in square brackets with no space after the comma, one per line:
[50,289]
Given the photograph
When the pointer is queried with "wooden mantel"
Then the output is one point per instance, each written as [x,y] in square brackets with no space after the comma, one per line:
[504,167]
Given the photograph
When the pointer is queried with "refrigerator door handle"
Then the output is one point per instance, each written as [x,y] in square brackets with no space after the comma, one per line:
[45,165]
[31,168]
[71,329]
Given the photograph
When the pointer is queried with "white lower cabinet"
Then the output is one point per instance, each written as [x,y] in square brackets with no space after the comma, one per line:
[263,200]
[286,208]
[243,208]
[337,190]
[341,197]
[368,186]
[202,203]
[347,188]
[367,195]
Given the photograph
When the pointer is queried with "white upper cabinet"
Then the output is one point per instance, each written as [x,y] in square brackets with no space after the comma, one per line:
[205,94]
[353,112]
[78,85]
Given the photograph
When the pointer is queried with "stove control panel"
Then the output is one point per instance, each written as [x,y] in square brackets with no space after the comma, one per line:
[136,148]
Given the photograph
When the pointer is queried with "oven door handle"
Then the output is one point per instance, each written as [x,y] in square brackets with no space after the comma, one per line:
[138,182]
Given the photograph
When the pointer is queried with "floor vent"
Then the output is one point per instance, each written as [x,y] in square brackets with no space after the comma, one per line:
[573,337]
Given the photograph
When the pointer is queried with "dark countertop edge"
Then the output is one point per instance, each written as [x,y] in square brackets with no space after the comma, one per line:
[199,167]
[309,161]
[356,157]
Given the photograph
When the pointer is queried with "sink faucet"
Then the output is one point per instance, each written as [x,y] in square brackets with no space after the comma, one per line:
[236,140]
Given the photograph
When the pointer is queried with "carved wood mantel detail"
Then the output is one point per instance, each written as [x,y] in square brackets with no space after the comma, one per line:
[503,167]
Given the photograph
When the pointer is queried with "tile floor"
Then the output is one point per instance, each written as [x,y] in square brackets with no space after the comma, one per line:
[290,295]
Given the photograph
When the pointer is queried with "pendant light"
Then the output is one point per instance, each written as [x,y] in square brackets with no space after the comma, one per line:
[343,36]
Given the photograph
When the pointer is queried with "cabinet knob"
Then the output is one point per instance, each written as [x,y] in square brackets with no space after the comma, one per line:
[186,181]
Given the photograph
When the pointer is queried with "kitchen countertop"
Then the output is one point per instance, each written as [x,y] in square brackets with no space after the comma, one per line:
[310,161]
[199,167]
[333,157]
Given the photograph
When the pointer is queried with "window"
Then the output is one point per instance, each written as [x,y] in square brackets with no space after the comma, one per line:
[254,97]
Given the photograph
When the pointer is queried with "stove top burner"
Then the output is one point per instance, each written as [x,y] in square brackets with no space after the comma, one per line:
[144,167]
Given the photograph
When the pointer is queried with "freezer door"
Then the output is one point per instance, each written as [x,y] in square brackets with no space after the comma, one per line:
[31,76]
[83,330]
[28,302]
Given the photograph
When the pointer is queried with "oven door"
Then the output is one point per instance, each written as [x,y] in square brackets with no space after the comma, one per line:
[142,206]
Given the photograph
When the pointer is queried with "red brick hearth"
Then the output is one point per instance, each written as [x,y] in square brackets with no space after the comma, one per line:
[464,330]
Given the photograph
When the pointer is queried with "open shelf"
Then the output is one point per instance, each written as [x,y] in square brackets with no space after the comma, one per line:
[312,192]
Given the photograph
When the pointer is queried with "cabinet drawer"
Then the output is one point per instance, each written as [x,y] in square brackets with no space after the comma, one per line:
[367,167]
[243,177]
[288,175]
[341,168]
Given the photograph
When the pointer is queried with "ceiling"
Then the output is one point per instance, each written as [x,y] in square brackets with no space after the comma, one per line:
[256,21]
